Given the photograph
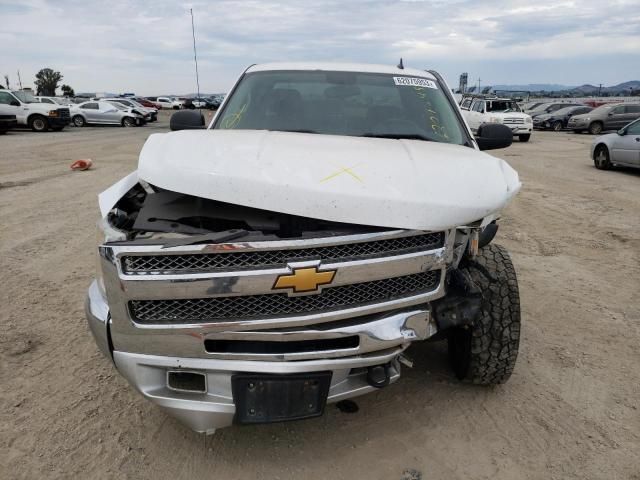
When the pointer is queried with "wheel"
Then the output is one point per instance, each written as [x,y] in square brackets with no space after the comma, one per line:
[128,122]
[595,128]
[78,121]
[38,123]
[176,107]
[601,158]
[486,353]
[557,126]
[524,138]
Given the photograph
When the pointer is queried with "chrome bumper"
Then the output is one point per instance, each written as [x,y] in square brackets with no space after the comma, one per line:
[205,412]
[388,336]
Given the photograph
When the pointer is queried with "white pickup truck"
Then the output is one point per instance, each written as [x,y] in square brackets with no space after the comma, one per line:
[481,110]
[29,112]
[288,255]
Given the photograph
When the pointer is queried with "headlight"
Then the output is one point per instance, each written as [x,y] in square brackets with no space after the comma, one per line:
[100,238]
[105,233]
[494,120]
[528,120]
[53,113]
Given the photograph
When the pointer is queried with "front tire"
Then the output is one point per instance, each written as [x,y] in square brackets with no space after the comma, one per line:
[601,158]
[38,123]
[79,121]
[486,352]
[128,122]
[557,126]
[524,138]
[595,128]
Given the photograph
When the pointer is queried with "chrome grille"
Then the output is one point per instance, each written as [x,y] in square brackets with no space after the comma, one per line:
[513,121]
[201,310]
[226,261]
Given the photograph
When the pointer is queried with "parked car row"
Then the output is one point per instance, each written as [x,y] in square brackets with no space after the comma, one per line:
[580,118]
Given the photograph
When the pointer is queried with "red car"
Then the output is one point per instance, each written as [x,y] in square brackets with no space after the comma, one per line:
[147,103]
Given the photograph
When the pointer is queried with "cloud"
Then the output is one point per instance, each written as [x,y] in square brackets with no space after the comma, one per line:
[147,46]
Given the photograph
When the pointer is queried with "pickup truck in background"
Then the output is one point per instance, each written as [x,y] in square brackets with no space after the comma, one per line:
[479,110]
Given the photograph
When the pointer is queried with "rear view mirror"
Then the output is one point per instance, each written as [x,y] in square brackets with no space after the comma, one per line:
[186,120]
[493,135]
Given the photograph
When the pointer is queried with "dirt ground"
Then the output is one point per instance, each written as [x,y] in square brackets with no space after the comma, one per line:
[570,411]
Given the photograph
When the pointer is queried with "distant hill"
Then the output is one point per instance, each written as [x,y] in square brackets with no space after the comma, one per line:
[624,87]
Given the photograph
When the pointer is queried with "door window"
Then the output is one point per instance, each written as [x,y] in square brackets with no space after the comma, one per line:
[6,98]
[478,107]
[618,110]
[632,108]
[634,129]
[90,106]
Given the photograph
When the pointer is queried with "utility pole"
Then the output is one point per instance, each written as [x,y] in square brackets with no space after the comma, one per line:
[19,80]
[600,90]
[478,84]
[195,55]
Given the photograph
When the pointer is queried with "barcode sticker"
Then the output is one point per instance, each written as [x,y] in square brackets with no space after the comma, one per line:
[415,82]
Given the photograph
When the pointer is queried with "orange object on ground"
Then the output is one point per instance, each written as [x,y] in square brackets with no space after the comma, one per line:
[81,164]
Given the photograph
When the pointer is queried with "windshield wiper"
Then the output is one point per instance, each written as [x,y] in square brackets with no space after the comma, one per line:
[399,136]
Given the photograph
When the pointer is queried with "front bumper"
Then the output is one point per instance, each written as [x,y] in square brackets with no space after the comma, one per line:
[205,412]
[521,129]
[59,121]
[215,408]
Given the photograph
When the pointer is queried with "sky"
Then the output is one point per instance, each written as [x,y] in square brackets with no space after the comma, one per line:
[146,47]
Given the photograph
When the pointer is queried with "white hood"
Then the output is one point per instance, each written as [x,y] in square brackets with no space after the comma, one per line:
[409,184]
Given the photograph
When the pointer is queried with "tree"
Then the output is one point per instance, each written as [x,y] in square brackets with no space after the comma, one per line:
[67,91]
[6,80]
[47,82]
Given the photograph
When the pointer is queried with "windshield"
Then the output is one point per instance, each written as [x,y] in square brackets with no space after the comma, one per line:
[565,110]
[342,103]
[25,97]
[502,106]
[603,108]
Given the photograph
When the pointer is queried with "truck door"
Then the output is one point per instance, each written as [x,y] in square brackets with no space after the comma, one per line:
[476,114]
[10,105]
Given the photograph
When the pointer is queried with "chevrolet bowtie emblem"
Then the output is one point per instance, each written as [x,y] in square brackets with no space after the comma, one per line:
[305,279]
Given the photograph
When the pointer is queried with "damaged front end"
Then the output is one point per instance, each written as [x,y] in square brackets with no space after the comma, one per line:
[216,290]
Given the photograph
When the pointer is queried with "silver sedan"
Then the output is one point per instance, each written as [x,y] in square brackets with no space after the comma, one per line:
[620,148]
[104,113]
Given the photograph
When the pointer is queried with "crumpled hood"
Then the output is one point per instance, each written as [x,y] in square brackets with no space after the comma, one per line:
[370,181]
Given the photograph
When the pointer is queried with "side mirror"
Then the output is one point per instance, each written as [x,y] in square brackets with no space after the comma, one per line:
[493,135]
[14,103]
[622,132]
[186,120]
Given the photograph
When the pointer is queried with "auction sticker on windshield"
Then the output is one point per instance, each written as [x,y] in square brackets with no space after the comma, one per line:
[415,82]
